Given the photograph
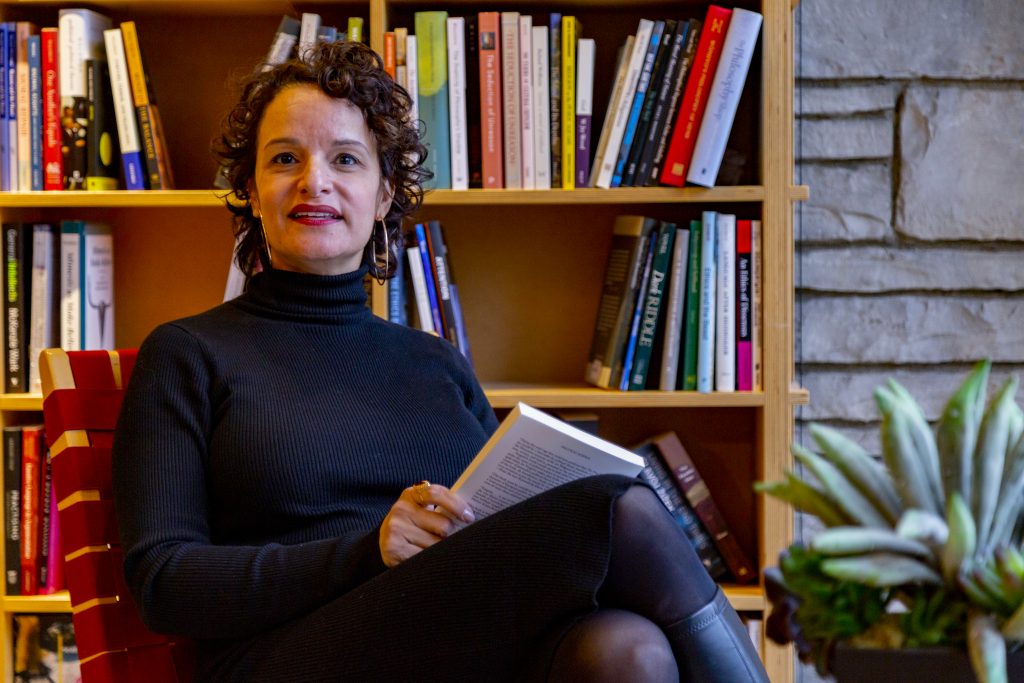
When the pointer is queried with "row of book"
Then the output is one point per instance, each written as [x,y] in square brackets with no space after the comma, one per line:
[74,100]
[33,563]
[507,101]
[59,281]
[680,306]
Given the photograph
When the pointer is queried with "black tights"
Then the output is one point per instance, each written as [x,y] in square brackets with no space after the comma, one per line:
[654,579]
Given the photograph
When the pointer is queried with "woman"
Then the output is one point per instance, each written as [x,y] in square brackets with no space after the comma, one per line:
[265,450]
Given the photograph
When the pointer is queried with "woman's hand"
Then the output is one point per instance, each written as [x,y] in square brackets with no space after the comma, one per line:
[423,515]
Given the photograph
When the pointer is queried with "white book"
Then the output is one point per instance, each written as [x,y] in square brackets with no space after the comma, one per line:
[235,283]
[23,105]
[621,66]
[70,286]
[79,37]
[284,42]
[541,112]
[44,298]
[457,126]
[674,318]
[419,288]
[724,96]
[309,28]
[526,103]
[624,103]
[725,304]
[532,452]
[412,76]
[510,88]
[755,302]
[124,112]
[706,319]
[97,273]
[585,52]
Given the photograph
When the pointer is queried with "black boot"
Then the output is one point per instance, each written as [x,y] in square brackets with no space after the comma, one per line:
[712,646]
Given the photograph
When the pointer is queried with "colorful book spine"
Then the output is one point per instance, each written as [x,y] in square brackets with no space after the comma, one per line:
[457,122]
[12,510]
[541,110]
[31,480]
[17,252]
[706,319]
[97,285]
[25,31]
[725,303]
[45,493]
[103,172]
[285,40]
[624,366]
[10,170]
[432,54]
[80,37]
[527,147]
[621,67]
[688,373]
[124,112]
[5,180]
[570,31]
[43,300]
[147,112]
[555,84]
[492,137]
[744,356]
[412,75]
[442,278]
[660,76]
[637,102]
[586,49]
[53,173]
[396,295]
[674,320]
[473,126]
[35,111]
[668,117]
[510,99]
[756,273]
[652,306]
[428,278]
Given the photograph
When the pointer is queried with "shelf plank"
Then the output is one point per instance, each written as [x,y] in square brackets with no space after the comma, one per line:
[745,598]
[506,395]
[21,402]
[619,195]
[58,602]
[799,193]
[113,198]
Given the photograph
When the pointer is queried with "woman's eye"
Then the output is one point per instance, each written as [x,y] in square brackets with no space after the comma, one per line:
[283,158]
[346,160]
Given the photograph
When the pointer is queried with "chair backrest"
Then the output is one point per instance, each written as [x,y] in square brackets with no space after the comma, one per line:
[82,397]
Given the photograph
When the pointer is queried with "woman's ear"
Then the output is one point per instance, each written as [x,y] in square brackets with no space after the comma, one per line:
[254,200]
[387,195]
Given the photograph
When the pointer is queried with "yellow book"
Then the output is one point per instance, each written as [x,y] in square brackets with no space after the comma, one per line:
[570,31]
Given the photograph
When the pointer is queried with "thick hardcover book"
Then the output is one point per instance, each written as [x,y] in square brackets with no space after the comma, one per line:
[675,308]
[706,319]
[586,49]
[491,133]
[17,253]
[472,79]
[570,33]
[12,510]
[532,452]
[636,105]
[679,463]
[744,358]
[510,101]
[154,143]
[670,43]
[102,171]
[541,110]
[124,112]
[35,112]
[44,301]
[724,96]
[657,476]
[432,62]
[624,365]
[650,316]
[53,174]
[25,33]
[668,117]
[31,497]
[527,149]
[458,132]
[555,83]
[689,339]
[725,304]
[80,37]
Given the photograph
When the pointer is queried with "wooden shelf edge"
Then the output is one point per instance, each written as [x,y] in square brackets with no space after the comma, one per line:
[21,402]
[58,602]
[114,199]
[745,598]
[507,395]
[798,396]
[799,193]
[620,195]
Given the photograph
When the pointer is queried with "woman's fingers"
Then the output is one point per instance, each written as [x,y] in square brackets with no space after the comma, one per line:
[423,515]
[426,494]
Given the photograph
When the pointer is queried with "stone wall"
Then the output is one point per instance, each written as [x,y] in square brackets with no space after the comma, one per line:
[910,252]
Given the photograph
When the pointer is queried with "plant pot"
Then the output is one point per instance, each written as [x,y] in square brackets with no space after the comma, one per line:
[931,665]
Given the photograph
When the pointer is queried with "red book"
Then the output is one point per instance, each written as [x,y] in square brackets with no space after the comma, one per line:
[389,53]
[31,497]
[744,309]
[678,461]
[53,160]
[695,96]
[490,100]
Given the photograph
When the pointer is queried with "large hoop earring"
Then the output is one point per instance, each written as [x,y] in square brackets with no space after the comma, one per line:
[266,242]
[381,275]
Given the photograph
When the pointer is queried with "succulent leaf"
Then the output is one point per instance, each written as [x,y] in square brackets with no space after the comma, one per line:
[860,469]
[880,570]
[986,647]
[962,539]
[900,453]
[846,496]
[957,431]
[990,458]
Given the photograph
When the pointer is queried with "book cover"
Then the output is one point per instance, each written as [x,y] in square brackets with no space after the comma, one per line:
[657,476]
[744,359]
[12,510]
[621,67]
[526,130]
[428,279]
[532,452]
[652,306]
[417,277]
[708,297]
[570,33]
[725,303]
[555,95]
[691,324]
[35,112]
[151,130]
[97,284]
[10,170]
[102,170]
[473,134]
[636,106]
[675,308]
[624,366]
[491,132]
[458,132]
[124,112]
[79,37]
[24,36]
[693,486]
[510,100]
[44,648]
[53,173]
[70,285]
[44,299]
[667,116]
[31,493]
[724,96]
[691,110]
[17,253]
[756,273]
[586,49]
[432,83]
[541,110]
[664,64]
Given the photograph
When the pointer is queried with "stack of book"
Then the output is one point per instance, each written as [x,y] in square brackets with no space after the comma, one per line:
[680,306]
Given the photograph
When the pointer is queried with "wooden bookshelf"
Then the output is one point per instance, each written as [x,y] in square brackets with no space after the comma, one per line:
[529,264]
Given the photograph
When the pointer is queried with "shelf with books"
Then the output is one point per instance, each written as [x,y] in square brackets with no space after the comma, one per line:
[625,195]
[506,395]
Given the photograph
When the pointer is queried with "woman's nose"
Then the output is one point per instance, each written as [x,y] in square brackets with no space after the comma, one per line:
[314,180]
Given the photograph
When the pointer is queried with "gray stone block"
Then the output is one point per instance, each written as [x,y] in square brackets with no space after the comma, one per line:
[842,99]
[849,202]
[862,137]
[911,38]
[961,161]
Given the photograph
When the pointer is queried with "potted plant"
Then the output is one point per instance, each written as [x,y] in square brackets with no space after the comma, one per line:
[921,562]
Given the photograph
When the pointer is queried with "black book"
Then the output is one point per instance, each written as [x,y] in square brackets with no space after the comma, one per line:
[12,510]
[476,164]
[103,162]
[17,254]
[647,109]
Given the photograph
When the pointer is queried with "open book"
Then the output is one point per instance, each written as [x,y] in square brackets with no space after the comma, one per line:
[532,452]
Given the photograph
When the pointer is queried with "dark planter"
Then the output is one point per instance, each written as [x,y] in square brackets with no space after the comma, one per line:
[928,665]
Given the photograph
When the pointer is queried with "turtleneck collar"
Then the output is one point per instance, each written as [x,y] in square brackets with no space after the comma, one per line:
[310,298]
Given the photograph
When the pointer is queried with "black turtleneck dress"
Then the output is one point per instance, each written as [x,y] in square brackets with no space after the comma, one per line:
[259,447]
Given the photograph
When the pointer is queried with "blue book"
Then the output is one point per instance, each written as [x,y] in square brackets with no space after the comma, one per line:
[428,276]
[460,324]
[638,102]
[35,96]
[5,180]
[396,295]
[638,314]
[706,322]
[10,160]
[432,60]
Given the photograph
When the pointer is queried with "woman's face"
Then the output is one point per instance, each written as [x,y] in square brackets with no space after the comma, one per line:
[318,187]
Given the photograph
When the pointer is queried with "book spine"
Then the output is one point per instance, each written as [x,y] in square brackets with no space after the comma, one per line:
[419,288]
[35,99]
[30,498]
[756,270]
[670,357]
[79,37]
[652,306]
[70,286]
[541,110]
[621,66]
[12,510]
[309,27]
[285,40]
[151,129]
[42,301]
[526,130]
[389,54]
[724,97]
[396,295]
[744,360]
[670,114]
[10,171]
[97,287]
[124,112]
[442,273]
[458,134]
[432,61]
[570,29]
[428,278]
[102,170]
[412,75]
[706,320]
[53,174]
[725,304]
[664,64]
[45,493]
[472,80]
[5,181]
[16,254]
[492,136]
[585,53]
[691,111]
[24,107]
[354,29]
[691,324]
[55,559]
[636,106]
[623,368]
[512,126]
[460,324]
[555,95]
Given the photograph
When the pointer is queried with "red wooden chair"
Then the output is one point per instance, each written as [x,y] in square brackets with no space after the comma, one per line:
[82,397]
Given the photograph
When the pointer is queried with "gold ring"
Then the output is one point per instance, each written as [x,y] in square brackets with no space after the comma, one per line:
[418,488]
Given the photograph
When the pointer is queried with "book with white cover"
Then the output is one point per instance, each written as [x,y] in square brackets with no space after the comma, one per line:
[674,312]
[585,52]
[526,104]
[419,287]
[724,96]
[44,300]
[706,318]
[621,67]
[541,112]
[457,125]
[79,37]
[309,28]
[412,78]
[725,304]
[532,452]
[124,112]
[510,101]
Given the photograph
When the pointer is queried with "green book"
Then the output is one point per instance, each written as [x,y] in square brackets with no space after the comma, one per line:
[432,59]
[688,377]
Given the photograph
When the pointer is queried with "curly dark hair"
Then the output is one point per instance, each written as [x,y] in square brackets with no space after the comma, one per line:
[345,70]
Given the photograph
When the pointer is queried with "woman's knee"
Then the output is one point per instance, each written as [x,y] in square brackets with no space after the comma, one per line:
[615,645]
